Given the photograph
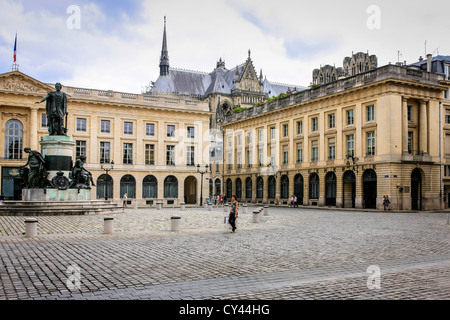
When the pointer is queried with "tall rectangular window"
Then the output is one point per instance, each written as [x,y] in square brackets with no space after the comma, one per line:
[150,154]
[331,121]
[150,129]
[249,158]
[299,153]
[239,139]
[350,117]
[191,132]
[272,156]
[350,145]
[250,138]
[105,152]
[447,116]
[127,153]
[239,160]
[128,127]
[170,155]
[370,144]
[285,130]
[410,113]
[190,161]
[80,148]
[285,155]
[260,157]
[44,121]
[170,131]
[230,161]
[272,133]
[370,113]
[299,127]
[105,126]
[315,124]
[81,124]
[410,142]
[331,149]
[315,151]
[260,135]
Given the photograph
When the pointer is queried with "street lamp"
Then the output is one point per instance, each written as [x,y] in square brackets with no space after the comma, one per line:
[107,169]
[201,185]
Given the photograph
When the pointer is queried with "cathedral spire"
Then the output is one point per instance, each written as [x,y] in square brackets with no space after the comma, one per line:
[164,61]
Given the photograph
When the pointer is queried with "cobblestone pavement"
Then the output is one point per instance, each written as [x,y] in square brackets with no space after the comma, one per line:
[293,254]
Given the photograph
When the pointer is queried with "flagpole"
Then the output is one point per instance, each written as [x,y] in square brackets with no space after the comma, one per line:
[15,66]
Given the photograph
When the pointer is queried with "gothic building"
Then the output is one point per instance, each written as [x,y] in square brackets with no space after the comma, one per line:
[358,63]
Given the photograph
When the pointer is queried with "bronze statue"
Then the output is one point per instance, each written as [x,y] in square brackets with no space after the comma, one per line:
[81,178]
[56,109]
[35,176]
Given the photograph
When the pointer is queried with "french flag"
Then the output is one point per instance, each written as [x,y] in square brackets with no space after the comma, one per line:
[15,49]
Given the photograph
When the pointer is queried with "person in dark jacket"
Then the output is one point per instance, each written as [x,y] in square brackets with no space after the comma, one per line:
[233,213]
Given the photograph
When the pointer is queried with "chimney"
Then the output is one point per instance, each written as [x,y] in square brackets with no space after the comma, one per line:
[429,58]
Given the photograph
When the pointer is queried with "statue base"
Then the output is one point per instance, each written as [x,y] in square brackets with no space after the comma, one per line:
[58,154]
[56,195]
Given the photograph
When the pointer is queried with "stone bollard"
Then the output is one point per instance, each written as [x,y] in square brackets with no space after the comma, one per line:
[244,208]
[256,217]
[158,205]
[135,204]
[210,207]
[31,227]
[108,225]
[225,208]
[266,210]
[182,206]
[176,222]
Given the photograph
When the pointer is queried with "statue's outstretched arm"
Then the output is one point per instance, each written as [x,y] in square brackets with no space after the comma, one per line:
[43,99]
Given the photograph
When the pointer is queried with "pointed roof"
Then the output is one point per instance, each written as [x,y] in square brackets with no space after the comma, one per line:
[164,60]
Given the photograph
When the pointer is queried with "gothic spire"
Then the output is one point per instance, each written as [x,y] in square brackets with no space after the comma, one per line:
[164,61]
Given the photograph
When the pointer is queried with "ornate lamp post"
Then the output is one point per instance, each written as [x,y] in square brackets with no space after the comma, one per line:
[107,169]
[202,172]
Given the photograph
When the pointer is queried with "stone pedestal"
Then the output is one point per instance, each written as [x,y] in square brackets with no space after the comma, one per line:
[266,210]
[56,195]
[182,206]
[58,154]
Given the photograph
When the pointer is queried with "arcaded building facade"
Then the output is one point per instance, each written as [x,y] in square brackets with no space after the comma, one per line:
[346,142]
[155,141]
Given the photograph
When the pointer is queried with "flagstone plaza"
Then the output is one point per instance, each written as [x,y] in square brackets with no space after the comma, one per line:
[292,254]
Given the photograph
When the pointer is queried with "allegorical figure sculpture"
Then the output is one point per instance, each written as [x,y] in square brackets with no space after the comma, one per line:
[81,178]
[56,109]
[35,176]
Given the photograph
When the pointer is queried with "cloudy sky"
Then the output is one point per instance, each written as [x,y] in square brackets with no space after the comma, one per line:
[115,45]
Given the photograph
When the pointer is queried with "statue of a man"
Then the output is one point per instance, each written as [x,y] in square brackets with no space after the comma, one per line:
[56,109]
[36,175]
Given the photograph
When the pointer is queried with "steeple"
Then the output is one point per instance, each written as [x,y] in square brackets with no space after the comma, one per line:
[164,61]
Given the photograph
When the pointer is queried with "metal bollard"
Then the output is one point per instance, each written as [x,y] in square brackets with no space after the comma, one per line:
[176,222]
[209,207]
[256,217]
[244,210]
[31,227]
[225,208]
[108,225]
[266,210]
[182,206]
[158,206]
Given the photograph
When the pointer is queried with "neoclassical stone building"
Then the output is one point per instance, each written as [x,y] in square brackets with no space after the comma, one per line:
[346,143]
[155,141]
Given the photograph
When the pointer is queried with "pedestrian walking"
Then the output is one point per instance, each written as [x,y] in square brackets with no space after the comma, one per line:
[233,213]
[292,202]
[125,200]
[295,202]
[386,203]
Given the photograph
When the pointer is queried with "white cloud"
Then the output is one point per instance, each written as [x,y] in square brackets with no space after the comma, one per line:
[288,39]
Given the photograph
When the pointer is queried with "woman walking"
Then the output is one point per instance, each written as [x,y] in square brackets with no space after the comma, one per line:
[233,213]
